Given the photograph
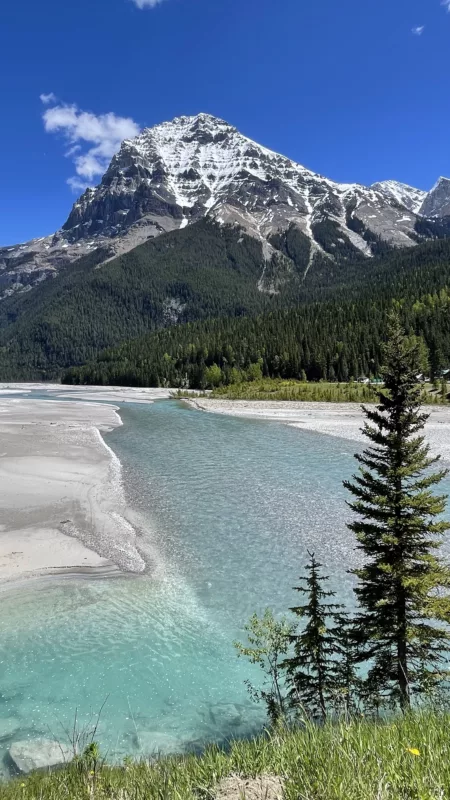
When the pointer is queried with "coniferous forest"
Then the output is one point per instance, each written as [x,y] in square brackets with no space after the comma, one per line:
[333,332]
[200,307]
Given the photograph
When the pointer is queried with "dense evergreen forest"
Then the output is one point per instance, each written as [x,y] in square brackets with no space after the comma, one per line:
[332,339]
[200,291]
[179,277]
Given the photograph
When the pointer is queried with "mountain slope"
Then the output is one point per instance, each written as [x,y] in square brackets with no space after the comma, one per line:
[437,202]
[204,271]
[179,172]
[334,338]
[407,196]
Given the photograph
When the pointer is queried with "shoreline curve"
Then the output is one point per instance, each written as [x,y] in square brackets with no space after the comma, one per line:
[64,512]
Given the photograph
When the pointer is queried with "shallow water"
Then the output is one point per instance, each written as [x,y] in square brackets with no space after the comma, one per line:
[228,508]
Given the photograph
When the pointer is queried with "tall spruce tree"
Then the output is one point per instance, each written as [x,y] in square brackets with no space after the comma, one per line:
[399,531]
[311,671]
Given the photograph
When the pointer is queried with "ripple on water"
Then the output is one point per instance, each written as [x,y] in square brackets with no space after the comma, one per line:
[229,509]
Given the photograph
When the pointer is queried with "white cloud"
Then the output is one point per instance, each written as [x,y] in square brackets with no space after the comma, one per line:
[76,184]
[150,3]
[446,3]
[47,98]
[419,29]
[93,139]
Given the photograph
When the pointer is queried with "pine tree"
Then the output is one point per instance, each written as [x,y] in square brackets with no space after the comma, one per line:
[399,531]
[311,671]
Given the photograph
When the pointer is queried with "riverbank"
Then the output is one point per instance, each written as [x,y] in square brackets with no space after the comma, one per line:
[333,419]
[63,505]
[360,759]
[114,394]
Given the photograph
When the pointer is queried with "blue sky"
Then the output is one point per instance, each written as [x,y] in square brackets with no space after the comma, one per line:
[353,89]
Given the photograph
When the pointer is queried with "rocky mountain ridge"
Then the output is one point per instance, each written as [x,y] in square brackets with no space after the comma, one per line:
[178,172]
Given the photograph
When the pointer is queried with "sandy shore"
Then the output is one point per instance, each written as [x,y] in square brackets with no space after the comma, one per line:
[115,394]
[63,508]
[333,419]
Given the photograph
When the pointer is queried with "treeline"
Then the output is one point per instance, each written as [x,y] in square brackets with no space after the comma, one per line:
[203,272]
[391,650]
[334,341]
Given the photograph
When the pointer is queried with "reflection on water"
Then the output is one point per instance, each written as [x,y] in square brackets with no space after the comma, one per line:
[229,508]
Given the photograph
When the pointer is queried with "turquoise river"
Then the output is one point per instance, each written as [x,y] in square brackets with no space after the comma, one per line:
[231,507]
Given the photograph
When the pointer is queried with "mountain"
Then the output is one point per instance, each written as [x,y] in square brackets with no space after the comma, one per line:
[206,270]
[332,334]
[179,172]
[437,202]
[202,273]
[407,196]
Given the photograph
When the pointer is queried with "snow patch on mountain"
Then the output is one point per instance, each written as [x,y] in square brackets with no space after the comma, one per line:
[404,195]
[176,173]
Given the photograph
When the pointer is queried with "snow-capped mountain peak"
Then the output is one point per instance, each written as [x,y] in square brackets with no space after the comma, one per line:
[181,171]
[405,195]
[437,202]
[178,171]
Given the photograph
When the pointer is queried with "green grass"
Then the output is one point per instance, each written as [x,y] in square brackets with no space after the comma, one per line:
[360,760]
[279,389]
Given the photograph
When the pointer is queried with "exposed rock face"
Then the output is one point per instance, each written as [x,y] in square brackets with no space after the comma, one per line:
[175,173]
[437,202]
[178,172]
[405,195]
[35,754]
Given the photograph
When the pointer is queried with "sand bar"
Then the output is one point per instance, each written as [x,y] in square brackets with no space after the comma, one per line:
[333,419]
[114,394]
[63,508]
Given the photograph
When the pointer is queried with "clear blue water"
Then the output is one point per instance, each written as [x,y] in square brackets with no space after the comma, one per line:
[229,508]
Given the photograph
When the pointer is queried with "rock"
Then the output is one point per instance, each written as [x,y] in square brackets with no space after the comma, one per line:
[266,787]
[154,743]
[34,754]
[226,713]
[139,197]
[9,726]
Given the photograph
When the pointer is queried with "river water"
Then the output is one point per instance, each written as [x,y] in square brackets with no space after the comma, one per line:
[229,509]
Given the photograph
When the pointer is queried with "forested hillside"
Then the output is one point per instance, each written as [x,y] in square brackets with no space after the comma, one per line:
[336,338]
[203,271]
[212,272]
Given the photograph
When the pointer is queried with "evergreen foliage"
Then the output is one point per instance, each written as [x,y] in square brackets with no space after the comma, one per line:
[399,530]
[312,669]
[349,685]
[295,245]
[335,340]
[209,272]
[334,241]
[203,271]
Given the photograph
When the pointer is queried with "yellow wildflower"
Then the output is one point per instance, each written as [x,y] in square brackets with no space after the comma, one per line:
[413,750]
